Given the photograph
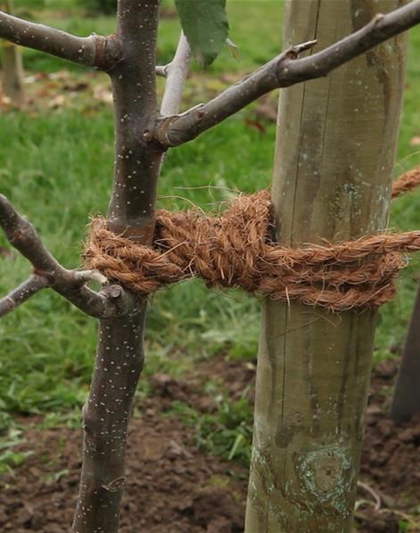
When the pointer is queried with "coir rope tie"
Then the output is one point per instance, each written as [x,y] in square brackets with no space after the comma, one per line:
[235,250]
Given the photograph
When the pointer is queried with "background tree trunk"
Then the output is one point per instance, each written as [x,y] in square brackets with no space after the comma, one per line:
[406,400]
[336,143]
[12,64]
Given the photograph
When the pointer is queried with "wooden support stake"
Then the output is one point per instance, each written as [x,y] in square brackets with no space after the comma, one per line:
[336,143]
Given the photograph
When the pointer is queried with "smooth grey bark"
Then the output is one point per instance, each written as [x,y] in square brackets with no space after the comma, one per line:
[176,74]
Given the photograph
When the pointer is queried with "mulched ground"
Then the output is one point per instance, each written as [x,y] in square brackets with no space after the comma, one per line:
[173,488]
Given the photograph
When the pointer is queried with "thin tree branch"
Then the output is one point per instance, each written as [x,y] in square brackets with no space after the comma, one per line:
[112,301]
[162,71]
[176,73]
[179,129]
[22,293]
[94,51]
[283,71]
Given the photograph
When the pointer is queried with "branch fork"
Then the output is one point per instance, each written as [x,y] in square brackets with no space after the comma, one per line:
[294,51]
[285,70]
[173,130]
[112,301]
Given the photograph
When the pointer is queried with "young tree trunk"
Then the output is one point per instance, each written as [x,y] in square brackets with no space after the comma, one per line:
[119,359]
[12,64]
[406,400]
[336,143]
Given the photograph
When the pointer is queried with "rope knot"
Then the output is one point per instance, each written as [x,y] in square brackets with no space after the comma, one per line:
[235,249]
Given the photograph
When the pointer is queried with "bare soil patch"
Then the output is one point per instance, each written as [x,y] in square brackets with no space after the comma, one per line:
[173,487]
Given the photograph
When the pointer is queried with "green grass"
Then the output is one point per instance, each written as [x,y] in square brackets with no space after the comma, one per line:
[252,51]
[227,432]
[56,167]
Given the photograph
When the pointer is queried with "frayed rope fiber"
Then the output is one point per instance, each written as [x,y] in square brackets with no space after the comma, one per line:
[235,250]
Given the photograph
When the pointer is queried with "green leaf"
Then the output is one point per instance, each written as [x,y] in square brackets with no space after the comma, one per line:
[205,25]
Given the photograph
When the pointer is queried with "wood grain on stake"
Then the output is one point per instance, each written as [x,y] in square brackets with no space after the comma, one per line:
[335,149]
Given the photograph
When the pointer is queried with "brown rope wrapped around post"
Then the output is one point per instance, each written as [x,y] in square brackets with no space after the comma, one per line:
[236,249]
